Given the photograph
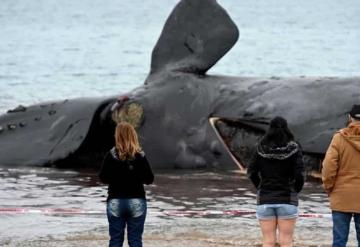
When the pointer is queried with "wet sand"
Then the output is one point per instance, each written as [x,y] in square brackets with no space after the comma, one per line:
[173,191]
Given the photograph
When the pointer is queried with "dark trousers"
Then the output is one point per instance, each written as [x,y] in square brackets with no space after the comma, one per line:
[341,226]
[130,213]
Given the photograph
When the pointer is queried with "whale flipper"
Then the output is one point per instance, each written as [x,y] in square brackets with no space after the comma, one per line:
[195,36]
[46,133]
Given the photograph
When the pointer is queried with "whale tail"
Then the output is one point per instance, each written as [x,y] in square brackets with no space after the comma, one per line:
[195,36]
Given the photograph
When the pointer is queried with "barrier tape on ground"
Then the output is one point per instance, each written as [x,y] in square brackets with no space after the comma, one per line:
[174,213]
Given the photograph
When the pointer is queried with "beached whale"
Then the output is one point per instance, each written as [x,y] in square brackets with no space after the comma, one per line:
[185,118]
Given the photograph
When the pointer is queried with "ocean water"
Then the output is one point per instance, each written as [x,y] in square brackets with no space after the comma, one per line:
[51,49]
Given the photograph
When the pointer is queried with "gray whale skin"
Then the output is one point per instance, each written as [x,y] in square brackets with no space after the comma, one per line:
[185,118]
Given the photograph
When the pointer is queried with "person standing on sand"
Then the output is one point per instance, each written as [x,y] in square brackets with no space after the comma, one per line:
[277,172]
[126,170]
[341,178]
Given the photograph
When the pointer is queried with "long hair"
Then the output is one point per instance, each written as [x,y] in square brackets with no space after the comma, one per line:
[278,134]
[126,141]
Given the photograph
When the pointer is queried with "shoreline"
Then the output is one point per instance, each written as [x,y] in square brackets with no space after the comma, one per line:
[193,239]
[174,191]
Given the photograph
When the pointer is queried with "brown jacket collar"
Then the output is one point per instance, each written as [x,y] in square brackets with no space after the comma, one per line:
[352,134]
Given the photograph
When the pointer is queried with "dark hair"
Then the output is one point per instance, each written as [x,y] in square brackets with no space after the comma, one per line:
[278,133]
[355,112]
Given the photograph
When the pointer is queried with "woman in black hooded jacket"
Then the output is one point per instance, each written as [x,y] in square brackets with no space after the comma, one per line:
[277,172]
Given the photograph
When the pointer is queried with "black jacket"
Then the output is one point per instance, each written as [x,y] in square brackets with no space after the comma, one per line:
[126,179]
[277,173]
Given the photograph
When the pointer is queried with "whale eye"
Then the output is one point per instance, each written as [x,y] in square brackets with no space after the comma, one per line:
[132,113]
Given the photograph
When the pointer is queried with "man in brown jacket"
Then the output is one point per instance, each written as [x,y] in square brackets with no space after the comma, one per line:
[341,178]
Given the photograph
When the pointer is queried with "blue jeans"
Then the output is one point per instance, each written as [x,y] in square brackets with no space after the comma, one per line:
[341,226]
[130,212]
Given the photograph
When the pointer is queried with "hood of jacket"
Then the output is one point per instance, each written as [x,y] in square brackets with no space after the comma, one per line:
[115,154]
[279,153]
[352,134]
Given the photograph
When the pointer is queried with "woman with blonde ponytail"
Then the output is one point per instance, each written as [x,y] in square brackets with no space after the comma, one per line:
[126,170]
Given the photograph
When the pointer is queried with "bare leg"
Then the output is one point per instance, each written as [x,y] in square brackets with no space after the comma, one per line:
[286,232]
[268,229]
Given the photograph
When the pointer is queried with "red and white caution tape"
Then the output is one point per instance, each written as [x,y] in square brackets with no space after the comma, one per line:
[208,212]
[61,211]
[174,213]
[233,213]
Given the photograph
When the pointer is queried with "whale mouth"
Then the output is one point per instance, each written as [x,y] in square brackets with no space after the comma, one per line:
[239,137]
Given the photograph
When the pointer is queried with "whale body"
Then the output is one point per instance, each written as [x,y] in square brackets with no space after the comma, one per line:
[185,118]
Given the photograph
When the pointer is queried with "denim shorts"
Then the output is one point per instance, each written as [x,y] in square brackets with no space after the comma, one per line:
[280,211]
